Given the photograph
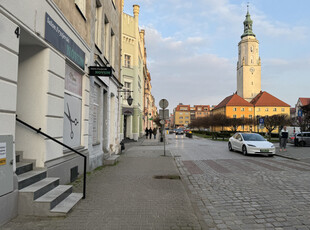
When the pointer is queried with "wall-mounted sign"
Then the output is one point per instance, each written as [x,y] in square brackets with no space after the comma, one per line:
[2,153]
[62,42]
[100,71]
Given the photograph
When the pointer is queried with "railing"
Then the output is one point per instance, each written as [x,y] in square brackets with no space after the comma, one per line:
[58,142]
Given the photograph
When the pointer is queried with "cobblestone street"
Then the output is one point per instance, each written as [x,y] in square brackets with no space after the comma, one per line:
[254,192]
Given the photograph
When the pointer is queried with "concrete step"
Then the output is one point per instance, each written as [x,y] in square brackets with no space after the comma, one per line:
[112,160]
[23,167]
[19,156]
[67,204]
[30,177]
[55,196]
[40,188]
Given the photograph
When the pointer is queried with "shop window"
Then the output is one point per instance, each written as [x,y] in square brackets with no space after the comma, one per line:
[96,113]
[106,38]
[72,107]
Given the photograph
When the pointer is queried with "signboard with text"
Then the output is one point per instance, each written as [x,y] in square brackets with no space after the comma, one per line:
[55,35]
[100,71]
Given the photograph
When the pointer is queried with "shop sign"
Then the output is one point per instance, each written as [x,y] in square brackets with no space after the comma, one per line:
[73,81]
[100,71]
[55,35]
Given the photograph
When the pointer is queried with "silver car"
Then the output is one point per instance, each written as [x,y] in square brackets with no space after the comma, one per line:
[302,139]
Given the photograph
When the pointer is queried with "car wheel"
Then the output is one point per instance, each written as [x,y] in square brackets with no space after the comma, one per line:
[302,143]
[229,147]
[244,150]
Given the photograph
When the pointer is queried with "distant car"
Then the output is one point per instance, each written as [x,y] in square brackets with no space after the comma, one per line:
[302,139]
[251,143]
[179,132]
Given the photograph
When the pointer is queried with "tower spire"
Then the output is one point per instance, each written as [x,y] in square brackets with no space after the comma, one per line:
[247,24]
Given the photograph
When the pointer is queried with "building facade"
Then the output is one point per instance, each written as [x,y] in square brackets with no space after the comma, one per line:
[46,84]
[133,76]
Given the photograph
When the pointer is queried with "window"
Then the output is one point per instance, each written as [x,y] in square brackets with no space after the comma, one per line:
[186,117]
[106,38]
[186,122]
[96,115]
[234,116]
[242,109]
[250,116]
[242,116]
[181,113]
[180,117]
[282,109]
[258,109]
[275,109]
[266,109]
[112,61]
[127,87]
[98,24]
[81,5]
[127,61]
[234,109]
[250,109]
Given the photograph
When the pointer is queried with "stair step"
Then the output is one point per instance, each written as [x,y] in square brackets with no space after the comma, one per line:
[41,187]
[112,160]
[30,177]
[67,204]
[23,167]
[56,195]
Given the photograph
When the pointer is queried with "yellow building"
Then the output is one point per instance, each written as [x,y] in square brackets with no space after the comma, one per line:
[182,116]
[234,106]
[267,105]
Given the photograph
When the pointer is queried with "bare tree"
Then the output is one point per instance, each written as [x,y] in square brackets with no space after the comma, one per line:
[304,120]
[274,121]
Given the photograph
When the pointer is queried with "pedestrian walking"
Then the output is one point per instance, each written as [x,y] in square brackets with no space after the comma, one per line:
[154,132]
[150,133]
[146,133]
[283,139]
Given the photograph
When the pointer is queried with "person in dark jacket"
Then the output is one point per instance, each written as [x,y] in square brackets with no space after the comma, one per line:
[150,132]
[283,140]
[154,132]
[146,133]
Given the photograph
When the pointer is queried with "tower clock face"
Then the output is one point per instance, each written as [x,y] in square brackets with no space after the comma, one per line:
[252,70]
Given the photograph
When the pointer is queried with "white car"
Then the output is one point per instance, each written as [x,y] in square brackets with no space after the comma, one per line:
[251,143]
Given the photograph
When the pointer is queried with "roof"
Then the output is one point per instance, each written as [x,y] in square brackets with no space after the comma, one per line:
[233,100]
[266,99]
[304,100]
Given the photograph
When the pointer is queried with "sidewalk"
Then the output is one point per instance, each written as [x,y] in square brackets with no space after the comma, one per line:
[127,196]
[293,152]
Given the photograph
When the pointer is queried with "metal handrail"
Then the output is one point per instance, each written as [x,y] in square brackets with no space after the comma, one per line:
[58,142]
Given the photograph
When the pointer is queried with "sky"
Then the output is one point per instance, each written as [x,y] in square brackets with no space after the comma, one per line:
[192,47]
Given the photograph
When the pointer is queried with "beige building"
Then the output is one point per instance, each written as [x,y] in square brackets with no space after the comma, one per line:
[249,63]
[133,72]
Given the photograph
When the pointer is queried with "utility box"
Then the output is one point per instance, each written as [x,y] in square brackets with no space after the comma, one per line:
[6,164]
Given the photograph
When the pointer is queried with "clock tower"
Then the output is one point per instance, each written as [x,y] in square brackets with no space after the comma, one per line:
[249,63]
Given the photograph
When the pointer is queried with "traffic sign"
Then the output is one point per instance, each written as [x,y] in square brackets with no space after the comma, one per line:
[163,103]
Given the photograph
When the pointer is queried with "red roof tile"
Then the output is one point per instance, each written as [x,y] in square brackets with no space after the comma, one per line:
[233,100]
[304,100]
[266,99]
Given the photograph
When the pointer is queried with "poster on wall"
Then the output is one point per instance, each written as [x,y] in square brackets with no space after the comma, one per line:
[72,121]
[72,107]
[3,153]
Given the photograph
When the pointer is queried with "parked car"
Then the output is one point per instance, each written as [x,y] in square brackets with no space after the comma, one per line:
[251,143]
[179,132]
[291,139]
[302,139]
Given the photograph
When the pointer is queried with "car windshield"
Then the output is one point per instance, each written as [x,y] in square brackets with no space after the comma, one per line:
[252,137]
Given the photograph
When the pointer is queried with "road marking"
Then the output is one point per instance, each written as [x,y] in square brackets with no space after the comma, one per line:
[267,166]
[240,166]
[192,167]
[217,167]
